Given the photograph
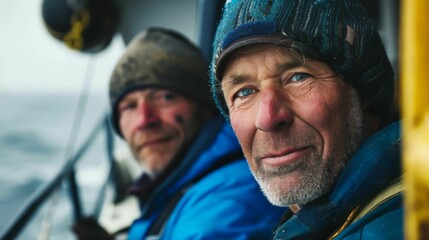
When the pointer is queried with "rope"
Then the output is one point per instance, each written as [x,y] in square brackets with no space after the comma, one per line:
[47,223]
[71,145]
[80,110]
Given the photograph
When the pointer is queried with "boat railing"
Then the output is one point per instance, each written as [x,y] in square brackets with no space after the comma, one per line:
[67,174]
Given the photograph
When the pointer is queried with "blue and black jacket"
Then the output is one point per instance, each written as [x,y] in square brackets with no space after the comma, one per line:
[216,196]
[366,202]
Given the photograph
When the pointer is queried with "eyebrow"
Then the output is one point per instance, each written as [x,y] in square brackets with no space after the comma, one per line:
[289,65]
[235,79]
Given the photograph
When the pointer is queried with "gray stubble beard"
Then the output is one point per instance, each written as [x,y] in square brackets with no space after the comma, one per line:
[317,179]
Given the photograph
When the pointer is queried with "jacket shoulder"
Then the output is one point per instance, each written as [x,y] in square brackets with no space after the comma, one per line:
[384,221]
[226,204]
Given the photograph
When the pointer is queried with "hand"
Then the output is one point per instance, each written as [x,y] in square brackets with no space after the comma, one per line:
[87,228]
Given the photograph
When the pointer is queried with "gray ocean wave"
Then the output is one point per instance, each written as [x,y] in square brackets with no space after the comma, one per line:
[34,135]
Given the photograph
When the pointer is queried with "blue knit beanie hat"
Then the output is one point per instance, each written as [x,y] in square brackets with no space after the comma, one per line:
[339,32]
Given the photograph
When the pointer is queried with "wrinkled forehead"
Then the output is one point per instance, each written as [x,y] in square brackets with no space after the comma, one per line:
[293,55]
[264,39]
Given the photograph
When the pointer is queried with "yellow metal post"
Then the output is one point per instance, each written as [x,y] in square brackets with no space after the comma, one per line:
[414,78]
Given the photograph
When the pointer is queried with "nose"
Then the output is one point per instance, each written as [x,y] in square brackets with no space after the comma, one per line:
[274,110]
[148,116]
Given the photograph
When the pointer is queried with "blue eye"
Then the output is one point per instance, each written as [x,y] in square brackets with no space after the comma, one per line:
[299,76]
[126,106]
[245,92]
[164,98]
[169,96]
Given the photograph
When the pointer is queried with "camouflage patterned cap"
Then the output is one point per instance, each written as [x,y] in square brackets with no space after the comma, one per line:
[338,31]
[160,58]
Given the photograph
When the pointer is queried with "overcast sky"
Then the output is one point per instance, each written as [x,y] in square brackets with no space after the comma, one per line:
[31,60]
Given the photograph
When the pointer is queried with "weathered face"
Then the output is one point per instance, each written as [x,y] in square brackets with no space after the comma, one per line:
[297,121]
[157,124]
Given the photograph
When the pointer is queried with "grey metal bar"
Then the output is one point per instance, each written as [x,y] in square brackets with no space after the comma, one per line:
[42,193]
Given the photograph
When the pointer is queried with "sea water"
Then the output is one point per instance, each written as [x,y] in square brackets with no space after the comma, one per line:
[36,133]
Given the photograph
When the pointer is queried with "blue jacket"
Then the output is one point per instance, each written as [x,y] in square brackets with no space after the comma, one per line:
[375,167]
[224,204]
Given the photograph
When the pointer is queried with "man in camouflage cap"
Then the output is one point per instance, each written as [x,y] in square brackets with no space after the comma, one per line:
[308,90]
[196,183]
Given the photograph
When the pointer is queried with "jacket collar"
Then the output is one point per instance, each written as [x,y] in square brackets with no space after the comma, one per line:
[374,166]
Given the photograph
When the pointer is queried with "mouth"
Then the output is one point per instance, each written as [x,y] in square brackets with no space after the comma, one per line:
[286,157]
[154,142]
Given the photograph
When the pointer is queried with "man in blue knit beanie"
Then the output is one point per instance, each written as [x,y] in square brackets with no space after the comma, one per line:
[308,90]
